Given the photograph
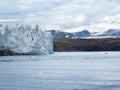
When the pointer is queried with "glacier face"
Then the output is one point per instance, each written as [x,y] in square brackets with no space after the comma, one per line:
[25,39]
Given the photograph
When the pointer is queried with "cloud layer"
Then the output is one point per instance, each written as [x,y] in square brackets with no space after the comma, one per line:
[65,14]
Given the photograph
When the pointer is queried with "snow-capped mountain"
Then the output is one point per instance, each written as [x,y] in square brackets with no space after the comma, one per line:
[57,33]
[99,27]
[61,34]
[85,33]
[111,32]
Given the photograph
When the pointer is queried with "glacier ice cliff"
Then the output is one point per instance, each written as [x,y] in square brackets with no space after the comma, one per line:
[25,39]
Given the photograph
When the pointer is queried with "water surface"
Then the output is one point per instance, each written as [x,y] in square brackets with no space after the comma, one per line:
[61,71]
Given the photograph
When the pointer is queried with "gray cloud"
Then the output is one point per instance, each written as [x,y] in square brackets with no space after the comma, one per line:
[63,13]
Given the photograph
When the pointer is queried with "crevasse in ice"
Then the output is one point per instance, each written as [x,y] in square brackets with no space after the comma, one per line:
[27,39]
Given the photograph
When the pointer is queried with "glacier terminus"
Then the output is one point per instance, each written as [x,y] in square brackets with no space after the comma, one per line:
[25,39]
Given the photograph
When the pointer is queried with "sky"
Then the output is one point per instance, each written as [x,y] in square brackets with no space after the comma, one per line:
[66,15]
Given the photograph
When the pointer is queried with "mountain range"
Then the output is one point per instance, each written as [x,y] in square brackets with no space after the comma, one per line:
[85,33]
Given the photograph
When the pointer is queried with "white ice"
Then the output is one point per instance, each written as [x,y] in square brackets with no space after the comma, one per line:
[25,39]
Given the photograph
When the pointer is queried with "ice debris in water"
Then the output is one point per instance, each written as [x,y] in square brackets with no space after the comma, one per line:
[27,39]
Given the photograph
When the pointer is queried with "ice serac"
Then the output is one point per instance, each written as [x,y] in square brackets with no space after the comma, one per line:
[25,39]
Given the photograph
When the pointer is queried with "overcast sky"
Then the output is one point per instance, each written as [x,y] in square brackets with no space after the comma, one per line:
[60,14]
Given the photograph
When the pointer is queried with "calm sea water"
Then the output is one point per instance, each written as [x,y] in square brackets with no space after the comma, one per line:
[61,71]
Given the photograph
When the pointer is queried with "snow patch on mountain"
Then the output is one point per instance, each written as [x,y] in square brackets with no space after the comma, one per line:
[101,24]
[111,32]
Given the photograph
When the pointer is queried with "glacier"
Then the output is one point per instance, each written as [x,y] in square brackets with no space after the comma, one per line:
[25,39]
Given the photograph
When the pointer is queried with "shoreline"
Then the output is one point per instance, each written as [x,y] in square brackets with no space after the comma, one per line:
[77,45]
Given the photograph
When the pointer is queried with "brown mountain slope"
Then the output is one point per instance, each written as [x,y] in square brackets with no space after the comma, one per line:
[104,44]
